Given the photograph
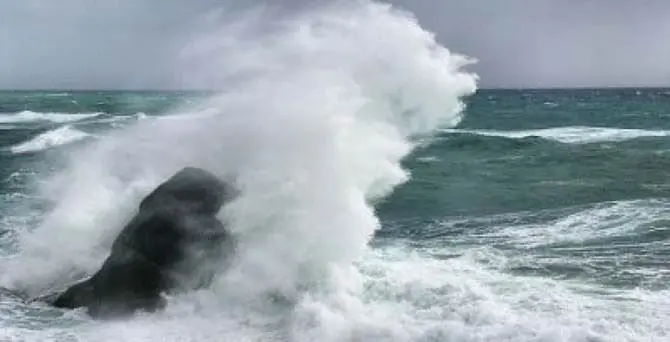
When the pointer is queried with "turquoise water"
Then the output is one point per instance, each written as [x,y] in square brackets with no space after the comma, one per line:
[543,216]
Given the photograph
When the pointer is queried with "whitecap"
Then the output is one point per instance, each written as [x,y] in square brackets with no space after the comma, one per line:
[57,137]
[571,134]
[27,116]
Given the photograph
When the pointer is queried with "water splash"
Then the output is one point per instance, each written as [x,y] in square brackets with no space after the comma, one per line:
[312,121]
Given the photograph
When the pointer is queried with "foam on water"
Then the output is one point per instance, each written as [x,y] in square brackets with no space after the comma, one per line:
[29,116]
[408,296]
[318,111]
[602,221]
[572,135]
[56,137]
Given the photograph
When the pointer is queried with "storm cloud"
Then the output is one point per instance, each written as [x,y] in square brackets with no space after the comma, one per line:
[132,44]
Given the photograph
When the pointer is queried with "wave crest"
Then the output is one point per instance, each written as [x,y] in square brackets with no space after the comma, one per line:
[570,134]
[315,130]
[53,138]
[30,116]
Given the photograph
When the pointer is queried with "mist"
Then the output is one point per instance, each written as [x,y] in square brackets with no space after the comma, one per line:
[139,44]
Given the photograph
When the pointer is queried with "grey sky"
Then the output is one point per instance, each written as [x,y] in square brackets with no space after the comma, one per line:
[536,43]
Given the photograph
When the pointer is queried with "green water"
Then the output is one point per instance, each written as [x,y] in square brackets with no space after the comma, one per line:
[567,187]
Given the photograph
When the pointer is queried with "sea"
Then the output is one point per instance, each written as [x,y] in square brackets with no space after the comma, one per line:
[382,192]
[542,216]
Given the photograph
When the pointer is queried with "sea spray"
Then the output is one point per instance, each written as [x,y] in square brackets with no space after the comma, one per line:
[312,121]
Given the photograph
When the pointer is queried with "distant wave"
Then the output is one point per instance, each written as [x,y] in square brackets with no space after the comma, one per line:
[57,137]
[122,118]
[30,116]
[428,159]
[571,134]
[57,95]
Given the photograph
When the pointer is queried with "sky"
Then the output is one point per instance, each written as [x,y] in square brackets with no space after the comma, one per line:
[129,44]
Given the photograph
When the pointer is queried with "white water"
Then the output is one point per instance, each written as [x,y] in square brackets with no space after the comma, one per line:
[56,137]
[29,116]
[317,113]
[308,131]
[572,135]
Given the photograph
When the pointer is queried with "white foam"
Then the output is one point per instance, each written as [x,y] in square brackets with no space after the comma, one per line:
[404,295]
[472,298]
[603,220]
[118,121]
[428,159]
[314,130]
[309,143]
[56,137]
[30,116]
[572,134]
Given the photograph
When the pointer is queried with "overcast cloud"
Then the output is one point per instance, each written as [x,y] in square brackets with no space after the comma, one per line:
[130,44]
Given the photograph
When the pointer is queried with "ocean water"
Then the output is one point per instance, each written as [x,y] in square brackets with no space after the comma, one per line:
[381,194]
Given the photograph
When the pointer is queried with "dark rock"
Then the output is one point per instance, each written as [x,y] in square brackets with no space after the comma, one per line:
[174,243]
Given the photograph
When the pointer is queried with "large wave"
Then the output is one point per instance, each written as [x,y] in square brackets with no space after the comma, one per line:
[313,119]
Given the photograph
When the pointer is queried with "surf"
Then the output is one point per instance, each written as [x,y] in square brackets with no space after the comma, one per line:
[570,134]
[32,117]
[314,116]
[54,138]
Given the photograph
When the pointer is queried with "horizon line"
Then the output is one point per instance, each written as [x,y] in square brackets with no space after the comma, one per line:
[517,88]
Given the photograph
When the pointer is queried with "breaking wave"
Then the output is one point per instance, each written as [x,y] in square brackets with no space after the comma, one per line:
[318,111]
[53,138]
[570,135]
[30,116]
